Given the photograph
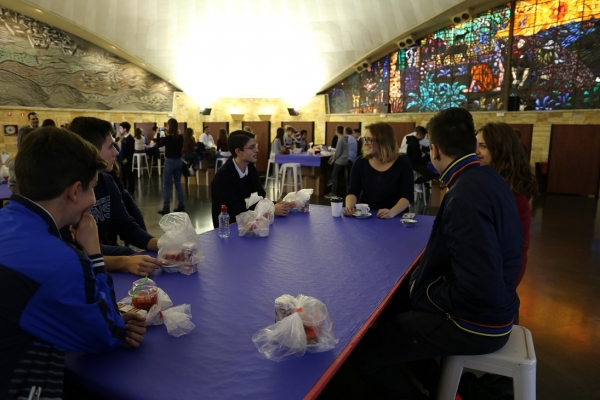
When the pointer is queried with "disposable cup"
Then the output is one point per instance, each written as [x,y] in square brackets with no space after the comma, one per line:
[336,207]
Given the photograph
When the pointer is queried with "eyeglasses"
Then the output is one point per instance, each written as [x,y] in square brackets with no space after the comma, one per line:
[251,148]
[369,140]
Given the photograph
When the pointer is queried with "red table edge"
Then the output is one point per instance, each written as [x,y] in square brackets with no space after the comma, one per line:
[337,363]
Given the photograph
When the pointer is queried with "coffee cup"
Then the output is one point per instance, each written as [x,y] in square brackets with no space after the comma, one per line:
[336,207]
[362,208]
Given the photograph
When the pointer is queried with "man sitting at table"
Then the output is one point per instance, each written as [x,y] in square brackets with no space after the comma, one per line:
[109,210]
[461,298]
[238,178]
[54,297]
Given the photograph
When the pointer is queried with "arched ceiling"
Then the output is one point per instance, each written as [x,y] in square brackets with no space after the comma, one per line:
[286,49]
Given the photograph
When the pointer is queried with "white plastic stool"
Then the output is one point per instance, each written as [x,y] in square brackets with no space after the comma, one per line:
[198,178]
[137,163]
[287,170]
[515,360]
[420,188]
[219,163]
[274,177]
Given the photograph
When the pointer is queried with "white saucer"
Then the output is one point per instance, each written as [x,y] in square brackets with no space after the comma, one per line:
[359,215]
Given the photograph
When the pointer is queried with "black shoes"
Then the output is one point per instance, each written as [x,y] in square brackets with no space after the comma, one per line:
[179,209]
[165,210]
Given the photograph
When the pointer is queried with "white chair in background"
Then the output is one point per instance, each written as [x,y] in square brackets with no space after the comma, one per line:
[289,171]
[137,164]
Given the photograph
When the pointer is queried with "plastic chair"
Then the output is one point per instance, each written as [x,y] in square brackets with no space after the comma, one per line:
[274,177]
[516,360]
[137,164]
[219,163]
[420,189]
[287,170]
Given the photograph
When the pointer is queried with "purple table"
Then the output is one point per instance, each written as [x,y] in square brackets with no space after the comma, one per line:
[352,265]
[4,192]
[303,159]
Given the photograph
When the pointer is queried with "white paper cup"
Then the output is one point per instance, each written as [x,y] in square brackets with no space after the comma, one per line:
[336,207]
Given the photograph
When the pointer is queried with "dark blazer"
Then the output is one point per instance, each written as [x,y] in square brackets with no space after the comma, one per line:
[127,149]
[227,189]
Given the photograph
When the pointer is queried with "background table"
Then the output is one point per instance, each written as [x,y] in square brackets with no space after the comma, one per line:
[349,264]
[313,169]
[4,192]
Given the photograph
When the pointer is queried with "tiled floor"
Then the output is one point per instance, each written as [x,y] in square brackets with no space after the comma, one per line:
[560,293]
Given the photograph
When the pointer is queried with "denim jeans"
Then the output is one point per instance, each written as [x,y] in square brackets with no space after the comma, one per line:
[172,171]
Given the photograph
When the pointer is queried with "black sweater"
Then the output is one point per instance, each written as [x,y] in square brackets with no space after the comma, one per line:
[173,145]
[229,189]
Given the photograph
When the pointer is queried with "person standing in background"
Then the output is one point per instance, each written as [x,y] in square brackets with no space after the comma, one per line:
[359,142]
[34,122]
[339,161]
[127,150]
[352,151]
[172,173]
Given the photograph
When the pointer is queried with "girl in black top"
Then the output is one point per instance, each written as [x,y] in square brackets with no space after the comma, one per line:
[172,172]
[381,178]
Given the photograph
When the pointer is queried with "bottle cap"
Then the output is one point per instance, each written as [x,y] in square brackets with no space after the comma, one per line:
[223,208]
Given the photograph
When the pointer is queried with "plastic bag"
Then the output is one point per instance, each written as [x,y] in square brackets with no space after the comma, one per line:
[250,224]
[253,199]
[179,248]
[4,167]
[301,200]
[266,208]
[177,320]
[307,329]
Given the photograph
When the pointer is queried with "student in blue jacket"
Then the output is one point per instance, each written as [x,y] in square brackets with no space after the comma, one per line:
[53,296]
[462,297]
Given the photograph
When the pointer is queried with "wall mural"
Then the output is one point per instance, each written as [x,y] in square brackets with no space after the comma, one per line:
[552,63]
[41,66]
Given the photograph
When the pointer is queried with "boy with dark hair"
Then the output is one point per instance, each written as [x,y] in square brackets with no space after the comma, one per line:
[109,211]
[238,178]
[339,160]
[127,151]
[462,294]
[53,296]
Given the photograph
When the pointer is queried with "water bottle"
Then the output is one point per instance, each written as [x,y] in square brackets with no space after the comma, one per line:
[224,223]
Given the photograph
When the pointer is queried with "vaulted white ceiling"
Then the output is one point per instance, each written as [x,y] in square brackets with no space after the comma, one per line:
[250,48]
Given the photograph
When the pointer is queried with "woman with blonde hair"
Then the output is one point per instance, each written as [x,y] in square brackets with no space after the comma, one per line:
[381,178]
[173,143]
[498,146]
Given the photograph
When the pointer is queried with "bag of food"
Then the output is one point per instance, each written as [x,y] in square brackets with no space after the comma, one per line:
[302,325]
[266,208]
[179,248]
[251,224]
[301,200]
[4,167]
[177,320]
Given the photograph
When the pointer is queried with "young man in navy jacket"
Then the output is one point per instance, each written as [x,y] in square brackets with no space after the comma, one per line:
[54,297]
[462,296]
[127,150]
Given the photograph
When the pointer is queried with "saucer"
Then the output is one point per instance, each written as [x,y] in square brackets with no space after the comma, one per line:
[359,215]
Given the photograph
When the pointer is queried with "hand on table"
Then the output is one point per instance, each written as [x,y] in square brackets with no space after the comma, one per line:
[85,233]
[140,265]
[348,211]
[135,327]
[385,213]
[282,208]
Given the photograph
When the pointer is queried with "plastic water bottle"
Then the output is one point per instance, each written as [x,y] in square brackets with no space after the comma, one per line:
[224,223]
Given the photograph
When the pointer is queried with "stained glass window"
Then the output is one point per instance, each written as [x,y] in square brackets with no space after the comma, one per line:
[553,62]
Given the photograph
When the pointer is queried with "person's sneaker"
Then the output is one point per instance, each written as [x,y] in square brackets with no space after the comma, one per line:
[330,183]
[165,210]
[179,209]
[331,196]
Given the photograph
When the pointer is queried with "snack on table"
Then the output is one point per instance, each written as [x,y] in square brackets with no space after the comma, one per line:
[179,249]
[144,294]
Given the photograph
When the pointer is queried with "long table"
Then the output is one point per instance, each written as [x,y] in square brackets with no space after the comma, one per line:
[352,265]
[4,192]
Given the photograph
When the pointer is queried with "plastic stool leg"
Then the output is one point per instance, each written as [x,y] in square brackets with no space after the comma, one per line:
[524,385]
[452,368]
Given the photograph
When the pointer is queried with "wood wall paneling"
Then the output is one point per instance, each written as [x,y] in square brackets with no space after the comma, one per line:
[526,135]
[299,125]
[402,129]
[182,126]
[331,126]
[262,131]
[573,163]
[214,129]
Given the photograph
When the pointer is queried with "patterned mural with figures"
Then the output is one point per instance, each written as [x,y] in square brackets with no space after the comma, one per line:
[552,62]
[41,66]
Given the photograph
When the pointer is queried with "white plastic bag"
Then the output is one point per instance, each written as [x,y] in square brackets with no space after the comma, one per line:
[179,248]
[301,200]
[177,320]
[252,200]
[4,167]
[250,224]
[307,329]
[266,208]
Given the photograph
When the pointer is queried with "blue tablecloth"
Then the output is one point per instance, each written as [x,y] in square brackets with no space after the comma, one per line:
[303,159]
[349,264]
